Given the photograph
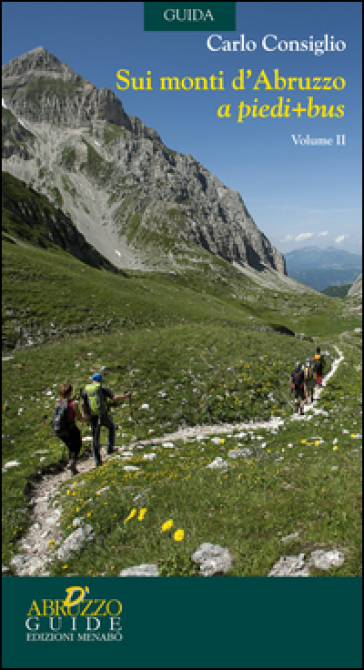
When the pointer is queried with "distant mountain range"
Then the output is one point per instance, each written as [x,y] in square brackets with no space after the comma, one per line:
[320,268]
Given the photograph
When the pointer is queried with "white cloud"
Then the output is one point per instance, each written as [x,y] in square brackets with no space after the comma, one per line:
[340,239]
[303,236]
[287,238]
[324,232]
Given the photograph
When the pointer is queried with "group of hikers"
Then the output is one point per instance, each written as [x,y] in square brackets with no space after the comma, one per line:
[96,399]
[95,403]
[303,381]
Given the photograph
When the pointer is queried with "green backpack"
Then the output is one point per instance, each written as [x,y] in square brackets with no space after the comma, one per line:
[96,400]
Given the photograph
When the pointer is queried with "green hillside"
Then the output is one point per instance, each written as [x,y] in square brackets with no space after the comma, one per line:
[337,291]
[30,218]
[202,348]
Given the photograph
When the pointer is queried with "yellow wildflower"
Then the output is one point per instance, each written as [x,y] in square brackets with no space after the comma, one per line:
[132,513]
[167,525]
[179,535]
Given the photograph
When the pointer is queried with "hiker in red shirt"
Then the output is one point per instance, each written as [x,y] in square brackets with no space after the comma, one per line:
[319,364]
[72,438]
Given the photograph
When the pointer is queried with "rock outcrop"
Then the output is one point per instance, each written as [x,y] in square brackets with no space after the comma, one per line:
[356,290]
[139,203]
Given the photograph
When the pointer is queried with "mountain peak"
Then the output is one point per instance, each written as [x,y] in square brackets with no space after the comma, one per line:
[33,65]
[36,57]
[138,183]
[36,50]
[39,88]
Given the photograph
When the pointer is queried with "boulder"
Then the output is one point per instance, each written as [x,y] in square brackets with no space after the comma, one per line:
[212,559]
[75,541]
[143,570]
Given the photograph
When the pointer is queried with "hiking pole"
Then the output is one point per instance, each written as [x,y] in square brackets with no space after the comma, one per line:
[134,421]
[131,410]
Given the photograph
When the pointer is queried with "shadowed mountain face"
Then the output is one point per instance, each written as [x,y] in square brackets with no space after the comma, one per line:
[137,202]
[28,218]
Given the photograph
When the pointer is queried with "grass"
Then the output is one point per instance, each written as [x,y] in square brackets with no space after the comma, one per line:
[337,291]
[30,218]
[194,354]
[25,213]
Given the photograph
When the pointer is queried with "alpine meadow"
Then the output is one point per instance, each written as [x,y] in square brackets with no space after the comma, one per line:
[124,257]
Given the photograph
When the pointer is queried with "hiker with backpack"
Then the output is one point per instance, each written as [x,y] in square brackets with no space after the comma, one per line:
[319,364]
[297,386]
[309,379]
[95,406]
[64,426]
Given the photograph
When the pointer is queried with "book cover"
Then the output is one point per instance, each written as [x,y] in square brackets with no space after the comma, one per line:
[259,105]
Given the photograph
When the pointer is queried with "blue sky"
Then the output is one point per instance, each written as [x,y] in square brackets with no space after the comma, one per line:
[298,195]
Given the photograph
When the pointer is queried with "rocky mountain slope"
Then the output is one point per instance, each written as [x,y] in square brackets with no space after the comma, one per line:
[140,204]
[356,290]
[29,218]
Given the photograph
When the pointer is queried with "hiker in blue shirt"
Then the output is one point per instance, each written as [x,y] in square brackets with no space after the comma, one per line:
[95,397]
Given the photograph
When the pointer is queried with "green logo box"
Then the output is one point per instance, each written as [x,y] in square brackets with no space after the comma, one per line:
[181,622]
[186,17]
